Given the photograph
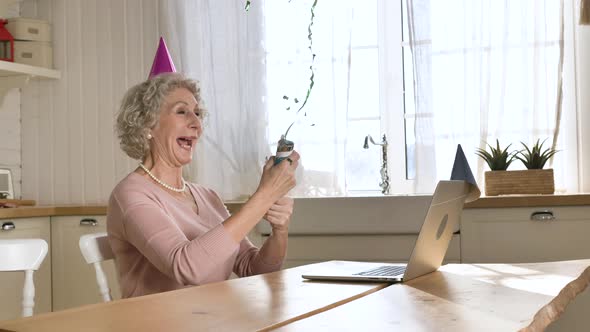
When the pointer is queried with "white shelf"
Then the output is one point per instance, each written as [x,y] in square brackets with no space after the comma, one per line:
[11,69]
[17,75]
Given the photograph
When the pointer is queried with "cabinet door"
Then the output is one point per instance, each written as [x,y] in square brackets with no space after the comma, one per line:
[512,235]
[11,283]
[74,281]
[307,249]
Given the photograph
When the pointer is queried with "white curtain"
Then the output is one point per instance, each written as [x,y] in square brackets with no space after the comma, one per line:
[320,129]
[218,43]
[246,68]
[487,70]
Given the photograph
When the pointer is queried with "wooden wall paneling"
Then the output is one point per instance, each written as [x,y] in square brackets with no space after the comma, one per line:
[17,180]
[120,83]
[75,111]
[69,148]
[30,138]
[9,126]
[151,34]
[134,43]
[28,8]
[136,73]
[10,159]
[37,123]
[106,106]
[89,110]
[60,144]
[45,184]
[29,124]
[10,137]
[44,9]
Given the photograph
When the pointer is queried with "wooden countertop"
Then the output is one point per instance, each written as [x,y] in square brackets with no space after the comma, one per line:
[529,201]
[66,210]
[483,202]
[50,211]
[504,201]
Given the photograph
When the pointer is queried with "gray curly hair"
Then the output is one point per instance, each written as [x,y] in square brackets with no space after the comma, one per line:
[140,110]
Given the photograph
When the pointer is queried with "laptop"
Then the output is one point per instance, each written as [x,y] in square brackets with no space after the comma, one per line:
[440,222]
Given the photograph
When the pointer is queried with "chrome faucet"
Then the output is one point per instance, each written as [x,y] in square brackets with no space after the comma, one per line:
[384,184]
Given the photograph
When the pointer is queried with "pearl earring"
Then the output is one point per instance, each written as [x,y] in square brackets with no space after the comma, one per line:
[149,136]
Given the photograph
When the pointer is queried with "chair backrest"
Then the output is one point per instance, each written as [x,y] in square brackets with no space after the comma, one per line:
[23,255]
[96,248]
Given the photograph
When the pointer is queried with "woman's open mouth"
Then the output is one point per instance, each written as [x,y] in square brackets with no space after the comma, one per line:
[186,142]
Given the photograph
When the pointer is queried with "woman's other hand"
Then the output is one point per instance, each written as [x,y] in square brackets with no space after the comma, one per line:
[279,214]
[278,179]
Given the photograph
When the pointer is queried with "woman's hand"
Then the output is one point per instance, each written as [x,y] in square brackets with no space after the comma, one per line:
[278,179]
[275,183]
[279,214]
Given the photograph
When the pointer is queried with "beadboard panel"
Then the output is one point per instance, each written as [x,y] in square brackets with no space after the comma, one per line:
[69,152]
[38,126]
[89,96]
[10,137]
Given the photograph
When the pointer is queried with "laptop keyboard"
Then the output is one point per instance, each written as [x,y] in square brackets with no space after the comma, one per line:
[384,271]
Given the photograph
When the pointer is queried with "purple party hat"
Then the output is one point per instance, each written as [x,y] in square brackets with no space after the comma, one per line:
[162,61]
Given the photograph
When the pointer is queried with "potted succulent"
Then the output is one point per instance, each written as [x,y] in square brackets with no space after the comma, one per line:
[498,160]
[539,180]
[536,157]
[533,180]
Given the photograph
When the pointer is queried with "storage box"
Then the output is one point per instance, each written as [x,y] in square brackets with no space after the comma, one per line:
[29,29]
[33,53]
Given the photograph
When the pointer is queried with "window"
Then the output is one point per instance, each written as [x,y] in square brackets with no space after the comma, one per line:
[358,90]
[484,71]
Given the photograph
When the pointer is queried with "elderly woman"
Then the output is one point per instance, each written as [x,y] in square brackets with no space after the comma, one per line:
[166,233]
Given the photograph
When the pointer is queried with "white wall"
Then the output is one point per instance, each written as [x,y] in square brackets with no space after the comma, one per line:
[69,152]
[583,78]
[10,119]
[10,138]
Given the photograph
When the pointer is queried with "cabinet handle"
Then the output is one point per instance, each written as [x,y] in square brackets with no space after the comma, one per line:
[88,222]
[8,226]
[542,216]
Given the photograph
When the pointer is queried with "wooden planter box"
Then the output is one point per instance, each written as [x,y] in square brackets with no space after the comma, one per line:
[531,181]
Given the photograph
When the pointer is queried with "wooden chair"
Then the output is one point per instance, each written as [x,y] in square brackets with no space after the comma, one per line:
[96,249]
[23,255]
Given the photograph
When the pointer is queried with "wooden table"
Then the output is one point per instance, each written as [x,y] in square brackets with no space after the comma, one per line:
[458,297]
[245,304]
[468,297]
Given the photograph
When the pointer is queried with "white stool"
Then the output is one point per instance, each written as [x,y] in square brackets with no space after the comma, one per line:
[23,255]
[96,249]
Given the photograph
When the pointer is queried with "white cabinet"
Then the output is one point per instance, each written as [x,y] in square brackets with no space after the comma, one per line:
[11,283]
[394,248]
[512,235]
[74,281]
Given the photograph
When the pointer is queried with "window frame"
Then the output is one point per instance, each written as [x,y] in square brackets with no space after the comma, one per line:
[391,96]
[391,76]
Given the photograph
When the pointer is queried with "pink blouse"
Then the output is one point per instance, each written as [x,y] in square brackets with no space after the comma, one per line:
[161,244]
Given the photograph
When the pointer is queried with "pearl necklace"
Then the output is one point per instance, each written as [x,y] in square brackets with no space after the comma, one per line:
[165,185]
